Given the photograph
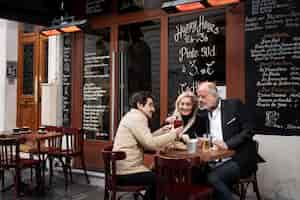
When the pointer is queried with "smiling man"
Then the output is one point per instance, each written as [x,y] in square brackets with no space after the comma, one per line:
[134,136]
[230,128]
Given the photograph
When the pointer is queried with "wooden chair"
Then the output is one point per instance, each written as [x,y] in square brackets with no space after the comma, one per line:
[53,147]
[10,159]
[174,180]
[53,128]
[74,148]
[244,182]
[2,177]
[111,187]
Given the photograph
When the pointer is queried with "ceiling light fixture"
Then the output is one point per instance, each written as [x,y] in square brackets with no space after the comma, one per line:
[221,2]
[188,5]
[63,24]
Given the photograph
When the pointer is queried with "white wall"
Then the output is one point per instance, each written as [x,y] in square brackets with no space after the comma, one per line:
[52,91]
[8,92]
[11,86]
[2,71]
[279,177]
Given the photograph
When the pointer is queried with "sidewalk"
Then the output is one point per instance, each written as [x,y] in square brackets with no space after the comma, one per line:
[79,190]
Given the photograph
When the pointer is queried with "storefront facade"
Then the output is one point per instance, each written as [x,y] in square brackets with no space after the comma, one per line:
[143,50]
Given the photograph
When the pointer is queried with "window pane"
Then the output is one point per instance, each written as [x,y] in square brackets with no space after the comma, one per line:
[139,63]
[67,80]
[46,61]
[28,28]
[28,69]
[96,85]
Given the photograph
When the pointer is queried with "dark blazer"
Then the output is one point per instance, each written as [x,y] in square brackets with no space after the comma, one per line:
[237,133]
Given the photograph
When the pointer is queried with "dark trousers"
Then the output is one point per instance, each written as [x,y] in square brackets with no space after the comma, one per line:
[142,178]
[222,177]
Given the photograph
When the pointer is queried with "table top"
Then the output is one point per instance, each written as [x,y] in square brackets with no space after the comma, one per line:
[203,156]
[29,140]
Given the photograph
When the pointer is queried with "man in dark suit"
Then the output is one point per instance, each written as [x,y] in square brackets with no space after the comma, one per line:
[227,124]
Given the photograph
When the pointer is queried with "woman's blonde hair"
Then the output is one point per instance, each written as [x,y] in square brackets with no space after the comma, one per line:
[195,103]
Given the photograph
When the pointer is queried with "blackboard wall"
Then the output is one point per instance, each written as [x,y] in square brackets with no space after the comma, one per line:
[272,56]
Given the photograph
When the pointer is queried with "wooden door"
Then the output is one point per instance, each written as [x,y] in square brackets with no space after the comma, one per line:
[31,67]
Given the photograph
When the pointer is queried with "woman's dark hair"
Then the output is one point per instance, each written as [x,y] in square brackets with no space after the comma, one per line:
[139,97]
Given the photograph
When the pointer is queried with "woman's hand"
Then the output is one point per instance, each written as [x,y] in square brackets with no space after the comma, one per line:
[170,120]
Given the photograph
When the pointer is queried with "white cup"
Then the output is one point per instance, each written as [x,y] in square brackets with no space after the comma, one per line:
[192,145]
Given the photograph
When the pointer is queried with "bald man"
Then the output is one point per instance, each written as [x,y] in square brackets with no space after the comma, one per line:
[227,123]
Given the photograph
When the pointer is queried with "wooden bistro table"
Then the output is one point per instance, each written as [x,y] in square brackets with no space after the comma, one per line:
[197,158]
[34,143]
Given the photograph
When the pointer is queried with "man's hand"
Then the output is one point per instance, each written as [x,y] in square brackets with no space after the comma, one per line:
[167,128]
[178,131]
[220,144]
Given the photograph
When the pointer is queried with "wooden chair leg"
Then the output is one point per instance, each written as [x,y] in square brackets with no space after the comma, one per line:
[69,167]
[65,170]
[243,192]
[17,182]
[256,190]
[2,174]
[106,193]
[40,179]
[50,170]
[113,195]
[84,169]
[31,171]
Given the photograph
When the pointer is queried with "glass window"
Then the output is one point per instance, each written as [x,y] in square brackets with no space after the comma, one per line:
[196,51]
[28,81]
[28,28]
[46,61]
[96,85]
[139,63]
[67,80]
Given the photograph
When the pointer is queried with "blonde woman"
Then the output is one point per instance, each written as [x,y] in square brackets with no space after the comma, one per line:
[186,109]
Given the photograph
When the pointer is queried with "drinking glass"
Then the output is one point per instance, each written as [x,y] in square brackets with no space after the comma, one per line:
[205,142]
[177,123]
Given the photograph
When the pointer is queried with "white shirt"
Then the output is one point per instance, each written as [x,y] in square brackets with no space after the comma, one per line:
[215,126]
[215,123]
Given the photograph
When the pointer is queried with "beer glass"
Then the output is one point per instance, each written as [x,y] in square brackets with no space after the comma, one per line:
[205,143]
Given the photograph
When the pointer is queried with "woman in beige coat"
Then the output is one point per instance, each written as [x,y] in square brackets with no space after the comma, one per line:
[134,136]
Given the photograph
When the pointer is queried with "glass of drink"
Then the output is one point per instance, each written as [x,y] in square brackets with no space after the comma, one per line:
[192,145]
[177,123]
[205,143]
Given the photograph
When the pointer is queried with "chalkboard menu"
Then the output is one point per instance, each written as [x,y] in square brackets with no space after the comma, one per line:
[96,6]
[67,80]
[273,65]
[96,86]
[196,51]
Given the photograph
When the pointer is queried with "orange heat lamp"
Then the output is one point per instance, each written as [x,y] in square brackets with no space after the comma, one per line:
[50,32]
[70,29]
[221,2]
[189,6]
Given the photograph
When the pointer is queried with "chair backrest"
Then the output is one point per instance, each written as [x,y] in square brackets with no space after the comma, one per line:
[54,129]
[173,170]
[9,153]
[110,157]
[173,178]
[74,138]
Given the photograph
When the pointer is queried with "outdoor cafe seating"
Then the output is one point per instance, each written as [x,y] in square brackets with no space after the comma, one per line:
[31,149]
[111,187]
[10,159]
